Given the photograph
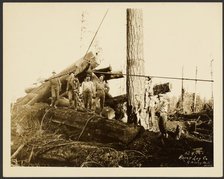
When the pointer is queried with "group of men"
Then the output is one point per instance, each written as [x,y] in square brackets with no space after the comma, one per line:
[154,105]
[90,90]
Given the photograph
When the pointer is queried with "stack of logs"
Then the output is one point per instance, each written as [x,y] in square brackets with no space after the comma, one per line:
[80,68]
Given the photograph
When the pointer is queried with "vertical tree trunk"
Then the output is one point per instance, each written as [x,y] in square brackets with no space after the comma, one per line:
[182,91]
[195,90]
[135,61]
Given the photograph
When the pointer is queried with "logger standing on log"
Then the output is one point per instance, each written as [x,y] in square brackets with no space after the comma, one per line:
[88,92]
[73,91]
[55,89]
[100,91]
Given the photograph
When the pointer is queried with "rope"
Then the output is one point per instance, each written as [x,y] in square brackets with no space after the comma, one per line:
[85,126]
[146,76]
[96,32]
[87,49]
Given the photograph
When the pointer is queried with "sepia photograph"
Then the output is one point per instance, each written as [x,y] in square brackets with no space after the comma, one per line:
[134,88]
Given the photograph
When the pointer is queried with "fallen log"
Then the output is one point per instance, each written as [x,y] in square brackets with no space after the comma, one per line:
[203,116]
[109,76]
[106,69]
[43,91]
[99,129]
[25,99]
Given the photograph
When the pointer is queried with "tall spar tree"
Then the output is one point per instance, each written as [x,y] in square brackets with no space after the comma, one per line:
[135,61]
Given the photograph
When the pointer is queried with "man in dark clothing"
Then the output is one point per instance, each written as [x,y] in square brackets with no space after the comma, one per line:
[73,90]
[100,91]
[76,92]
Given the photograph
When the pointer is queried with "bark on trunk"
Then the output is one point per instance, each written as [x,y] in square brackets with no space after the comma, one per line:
[135,61]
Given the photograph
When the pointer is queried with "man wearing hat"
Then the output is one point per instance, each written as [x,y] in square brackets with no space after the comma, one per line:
[55,84]
[73,90]
[101,87]
[88,92]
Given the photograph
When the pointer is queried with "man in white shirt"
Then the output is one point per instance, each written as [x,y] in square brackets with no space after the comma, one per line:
[88,92]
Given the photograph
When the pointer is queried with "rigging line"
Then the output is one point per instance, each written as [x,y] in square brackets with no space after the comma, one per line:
[96,32]
[58,76]
[164,77]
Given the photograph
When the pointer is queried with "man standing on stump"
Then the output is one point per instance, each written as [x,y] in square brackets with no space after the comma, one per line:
[55,84]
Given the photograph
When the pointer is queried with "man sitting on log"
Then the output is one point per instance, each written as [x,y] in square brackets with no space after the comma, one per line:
[100,91]
[55,89]
[88,92]
[73,91]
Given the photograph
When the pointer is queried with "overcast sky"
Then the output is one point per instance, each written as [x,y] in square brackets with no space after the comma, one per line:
[41,37]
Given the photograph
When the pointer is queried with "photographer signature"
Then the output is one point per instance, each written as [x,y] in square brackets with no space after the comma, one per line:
[195,157]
